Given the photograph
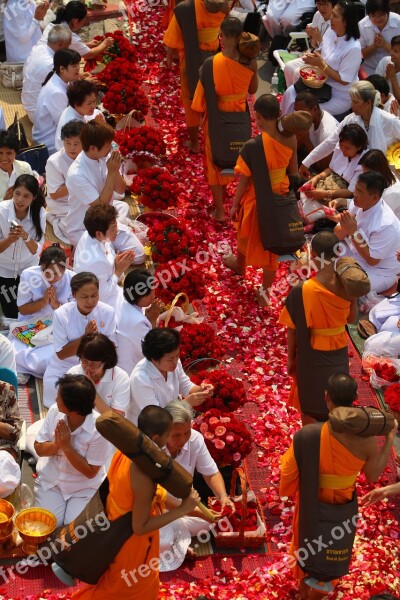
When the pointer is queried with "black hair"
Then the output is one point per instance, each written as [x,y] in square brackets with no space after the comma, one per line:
[73,10]
[78,90]
[32,185]
[342,389]
[350,16]
[374,6]
[53,255]
[267,106]
[231,27]
[375,160]
[78,393]
[380,83]
[136,285]
[97,346]
[81,279]
[308,97]
[99,218]
[395,41]
[373,181]
[8,140]
[63,58]
[324,243]
[72,129]
[354,134]
[160,341]
[154,420]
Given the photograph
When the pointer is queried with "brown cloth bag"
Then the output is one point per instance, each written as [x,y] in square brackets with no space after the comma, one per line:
[365,421]
[353,277]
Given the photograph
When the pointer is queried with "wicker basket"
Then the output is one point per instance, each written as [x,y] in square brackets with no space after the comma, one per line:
[185,306]
[315,83]
[241,538]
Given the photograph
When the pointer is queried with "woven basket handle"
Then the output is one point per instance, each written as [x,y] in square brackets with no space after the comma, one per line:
[239,472]
[185,305]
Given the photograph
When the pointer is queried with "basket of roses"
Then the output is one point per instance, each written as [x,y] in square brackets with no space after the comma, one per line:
[392,399]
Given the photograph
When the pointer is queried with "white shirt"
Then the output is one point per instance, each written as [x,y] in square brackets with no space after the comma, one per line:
[391,196]
[384,130]
[368,31]
[148,387]
[349,170]
[7,354]
[113,387]
[195,455]
[98,258]
[76,42]
[326,127]
[32,287]
[319,23]
[20,167]
[69,114]
[343,56]
[56,172]
[37,66]
[381,230]
[132,326]
[21,30]
[57,470]
[381,70]
[389,307]
[51,102]
[17,257]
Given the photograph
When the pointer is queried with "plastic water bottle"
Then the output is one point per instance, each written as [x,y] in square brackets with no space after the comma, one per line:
[274,83]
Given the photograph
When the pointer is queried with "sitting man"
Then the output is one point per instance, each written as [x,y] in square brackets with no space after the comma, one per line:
[389,67]
[376,32]
[10,429]
[341,455]
[372,232]
[283,17]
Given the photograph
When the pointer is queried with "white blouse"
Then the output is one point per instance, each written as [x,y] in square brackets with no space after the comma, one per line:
[20,167]
[113,387]
[343,56]
[76,42]
[56,173]
[349,170]
[21,30]
[32,287]
[132,326]
[51,102]
[70,114]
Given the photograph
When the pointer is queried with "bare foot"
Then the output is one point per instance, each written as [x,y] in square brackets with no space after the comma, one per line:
[195,148]
[219,216]
[262,297]
[232,263]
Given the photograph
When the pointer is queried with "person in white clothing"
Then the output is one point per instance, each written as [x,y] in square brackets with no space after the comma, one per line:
[22,227]
[339,58]
[72,452]
[241,8]
[383,128]
[389,67]
[93,179]
[388,101]
[95,252]
[82,102]
[73,16]
[10,168]
[159,378]
[284,16]
[85,314]
[22,27]
[376,32]
[372,232]
[56,174]
[53,97]
[375,160]
[137,316]
[39,64]
[98,362]
[7,354]
[42,289]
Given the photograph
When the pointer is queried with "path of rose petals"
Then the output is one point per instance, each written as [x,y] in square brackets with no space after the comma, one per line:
[256,342]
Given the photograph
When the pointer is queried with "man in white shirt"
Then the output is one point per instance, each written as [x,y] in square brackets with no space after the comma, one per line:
[72,452]
[376,31]
[372,232]
[39,64]
[389,67]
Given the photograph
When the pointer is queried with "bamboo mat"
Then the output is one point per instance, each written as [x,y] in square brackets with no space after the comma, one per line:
[10,102]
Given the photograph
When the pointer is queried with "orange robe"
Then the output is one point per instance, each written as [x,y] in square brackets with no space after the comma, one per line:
[249,243]
[336,460]
[232,82]
[208,30]
[324,310]
[138,549]
[168,14]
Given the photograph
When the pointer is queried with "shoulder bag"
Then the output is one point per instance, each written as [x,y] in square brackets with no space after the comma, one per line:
[17,130]
[11,75]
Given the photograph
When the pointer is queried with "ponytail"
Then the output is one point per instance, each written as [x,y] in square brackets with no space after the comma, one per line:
[73,10]
[31,184]
[63,58]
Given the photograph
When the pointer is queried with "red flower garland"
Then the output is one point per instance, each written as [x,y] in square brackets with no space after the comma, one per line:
[226,438]
[158,190]
[199,340]
[229,392]
[177,276]
[120,69]
[121,98]
[392,397]
[140,139]
[170,240]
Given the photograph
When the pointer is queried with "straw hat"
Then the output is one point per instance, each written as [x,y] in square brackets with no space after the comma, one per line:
[174,541]
[300,120]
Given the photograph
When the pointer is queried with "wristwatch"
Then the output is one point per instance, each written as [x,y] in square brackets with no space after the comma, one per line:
[28,239]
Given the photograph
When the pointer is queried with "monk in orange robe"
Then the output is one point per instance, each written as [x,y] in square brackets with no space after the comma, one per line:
[134,573]
[281,157]
[233,81]
[207,32]
[342,457]
[168,14]
[317,345]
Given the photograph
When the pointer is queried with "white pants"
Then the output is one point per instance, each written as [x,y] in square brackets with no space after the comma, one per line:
[59,226]
[282,17]
[65,511]
[32,360]
[126,240]
[335,106]
[379,283]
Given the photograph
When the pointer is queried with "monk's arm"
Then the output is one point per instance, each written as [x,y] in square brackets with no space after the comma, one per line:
[242,186]
[253,87]
[293,167]
[289,483]
[292,349]
[377,458]
[353,314]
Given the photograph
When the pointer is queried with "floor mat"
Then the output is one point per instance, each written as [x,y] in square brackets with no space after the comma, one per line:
[25,404]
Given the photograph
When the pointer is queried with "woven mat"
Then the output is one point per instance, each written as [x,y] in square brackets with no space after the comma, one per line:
[10,102]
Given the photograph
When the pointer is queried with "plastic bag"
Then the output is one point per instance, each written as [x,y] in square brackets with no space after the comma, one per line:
[384,343]
[369,362]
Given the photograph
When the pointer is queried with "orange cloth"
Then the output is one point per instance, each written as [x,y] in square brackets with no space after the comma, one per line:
[137,550]
[335,459]
[168,14]
[323,310]
[173,39]
[230,79]
[249,244]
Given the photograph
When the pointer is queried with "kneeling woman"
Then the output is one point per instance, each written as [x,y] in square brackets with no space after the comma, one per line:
[133,575]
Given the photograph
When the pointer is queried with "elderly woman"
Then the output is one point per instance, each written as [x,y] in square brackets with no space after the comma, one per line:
[159,378]
[10,168]
[383,128]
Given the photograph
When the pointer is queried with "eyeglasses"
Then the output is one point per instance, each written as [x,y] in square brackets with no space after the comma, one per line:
[96,364]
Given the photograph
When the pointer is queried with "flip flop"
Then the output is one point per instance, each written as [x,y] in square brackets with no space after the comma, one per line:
[365,329]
